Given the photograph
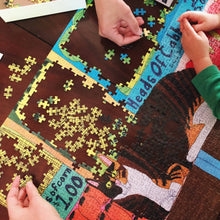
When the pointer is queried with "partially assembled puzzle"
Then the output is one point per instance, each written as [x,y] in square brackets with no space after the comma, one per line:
[110,132]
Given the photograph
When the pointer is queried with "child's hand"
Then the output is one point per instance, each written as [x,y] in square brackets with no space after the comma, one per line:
[26,204]
[195,45]
[117,22]
[203,21]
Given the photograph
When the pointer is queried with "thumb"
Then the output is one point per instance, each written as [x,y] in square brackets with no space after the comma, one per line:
[31,191]
[188,28]
[133,24]
[198,27]
[12,197]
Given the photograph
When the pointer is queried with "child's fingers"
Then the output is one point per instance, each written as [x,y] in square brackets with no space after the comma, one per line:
[188,29]
[181,26]
[22,194]
[26,202]
[12,198]
[189,15]
[198,27]
[133,24]
[123,24]
[125,31]
[203,37]
[202,34]
[182,16]
[32,191]
[140,20]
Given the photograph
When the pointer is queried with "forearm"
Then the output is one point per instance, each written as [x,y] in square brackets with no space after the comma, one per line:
[201,63]
[108,10]
[110,3]
[218,19]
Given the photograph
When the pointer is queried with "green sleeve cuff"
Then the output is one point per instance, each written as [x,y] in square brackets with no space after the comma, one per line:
[209,71]
[207,82]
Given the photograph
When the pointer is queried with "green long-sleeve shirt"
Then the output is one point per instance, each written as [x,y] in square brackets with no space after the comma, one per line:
[207,82]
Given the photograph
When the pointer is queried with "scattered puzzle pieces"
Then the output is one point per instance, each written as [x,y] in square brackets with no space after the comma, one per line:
[69,84]
[138,12]
[110,54]
[17,72]
[125,59]
[30,60]
[145,32]
[150,3]
[14,68]
[151,20]
[39,117]
[8,92]
[15,78]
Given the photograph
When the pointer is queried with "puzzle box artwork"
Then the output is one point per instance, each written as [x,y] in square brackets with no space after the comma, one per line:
[13,10]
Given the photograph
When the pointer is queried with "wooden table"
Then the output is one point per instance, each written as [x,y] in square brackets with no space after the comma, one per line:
[199,198]
[18,41]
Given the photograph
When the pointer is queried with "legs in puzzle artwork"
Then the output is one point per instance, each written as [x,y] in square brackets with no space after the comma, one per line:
[101,134]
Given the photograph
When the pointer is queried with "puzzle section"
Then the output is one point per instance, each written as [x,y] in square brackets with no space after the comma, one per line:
[123,70]
[67,122]
[65,190]
[17,74]
[19,156]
